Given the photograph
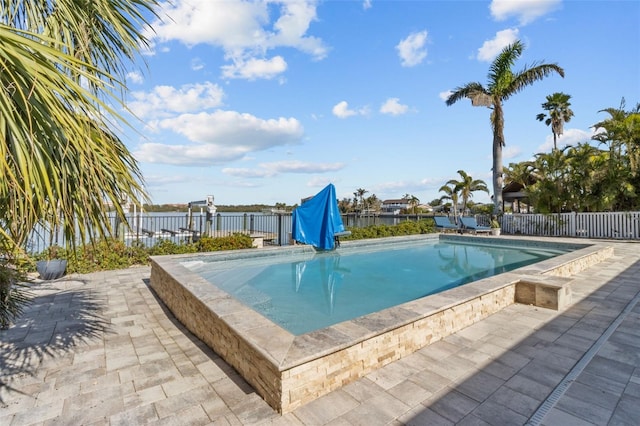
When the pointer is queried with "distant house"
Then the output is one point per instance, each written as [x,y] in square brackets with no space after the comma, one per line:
[394,206]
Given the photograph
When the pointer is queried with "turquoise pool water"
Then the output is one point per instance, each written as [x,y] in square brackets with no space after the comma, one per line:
[306,292]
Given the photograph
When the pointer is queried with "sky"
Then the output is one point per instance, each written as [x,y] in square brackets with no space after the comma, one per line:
[264,102]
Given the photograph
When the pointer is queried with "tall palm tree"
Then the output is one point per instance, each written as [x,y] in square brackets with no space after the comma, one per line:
[559,113]
[466,187]
[503,83]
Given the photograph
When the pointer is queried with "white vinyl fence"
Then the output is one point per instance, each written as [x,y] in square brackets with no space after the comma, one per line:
[617,225]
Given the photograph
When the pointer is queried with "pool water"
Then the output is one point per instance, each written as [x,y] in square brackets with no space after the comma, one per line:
[307,292]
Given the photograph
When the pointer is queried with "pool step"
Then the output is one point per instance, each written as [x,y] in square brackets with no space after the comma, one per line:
[545,291]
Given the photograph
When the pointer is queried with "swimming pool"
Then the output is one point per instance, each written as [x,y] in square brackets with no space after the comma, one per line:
[303,292]
[289,370]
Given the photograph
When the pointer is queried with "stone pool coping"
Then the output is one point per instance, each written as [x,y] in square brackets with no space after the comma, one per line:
[289,371]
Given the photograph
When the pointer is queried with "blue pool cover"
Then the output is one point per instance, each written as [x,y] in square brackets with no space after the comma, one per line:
[318,220]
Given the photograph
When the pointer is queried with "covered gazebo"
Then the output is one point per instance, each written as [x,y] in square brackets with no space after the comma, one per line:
[514,193]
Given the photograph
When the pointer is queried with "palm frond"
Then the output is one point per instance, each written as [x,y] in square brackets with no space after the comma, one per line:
[469,91]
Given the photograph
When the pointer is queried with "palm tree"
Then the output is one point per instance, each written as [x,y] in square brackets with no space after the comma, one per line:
[519,173]
[373,202]
[587,172]
[621,130]
[503,83]
[360,196]
[344,205]
[550,194]
[412,201]
[62,67]
[559,113]
[451,193]
[466,187]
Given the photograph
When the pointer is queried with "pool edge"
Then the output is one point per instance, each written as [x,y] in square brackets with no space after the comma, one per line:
[289,371]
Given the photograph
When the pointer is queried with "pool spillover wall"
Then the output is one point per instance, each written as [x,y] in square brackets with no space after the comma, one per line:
[289,371]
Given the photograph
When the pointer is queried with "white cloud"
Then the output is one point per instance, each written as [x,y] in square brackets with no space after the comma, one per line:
[197,64]
[491,48]
[393,106]
[445,95]
[135,77]
[511,151]
[233,129]
[276,168]
[430,183]
[188,155]
[293,24]
[321,182]
[411,50]
[366,4]
[295,166]
[157,180]
[253,69]
[569,137]
[219,137]
[253,173]
[245,30]
[163,101]
[526,11]
[341,110]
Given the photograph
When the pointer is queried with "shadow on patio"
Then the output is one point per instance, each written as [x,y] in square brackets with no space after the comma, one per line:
[51,327]
[503,369]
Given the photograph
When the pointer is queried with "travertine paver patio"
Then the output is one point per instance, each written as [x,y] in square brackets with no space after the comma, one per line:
[101,349]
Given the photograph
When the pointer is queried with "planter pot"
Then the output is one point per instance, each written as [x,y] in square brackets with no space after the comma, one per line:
[495,231]
[51,269]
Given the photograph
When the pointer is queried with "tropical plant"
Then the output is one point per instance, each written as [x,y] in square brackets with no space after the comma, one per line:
[503,83]
[621,131]
[63,64]
[344,205]
[549,193]
[359,198]
[522,174]
[451,193]
[466,186]
[62,68]
[412,201]
[557,106]
[13,292]
[373,202]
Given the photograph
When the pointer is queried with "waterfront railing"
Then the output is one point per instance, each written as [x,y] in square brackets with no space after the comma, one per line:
[275,229]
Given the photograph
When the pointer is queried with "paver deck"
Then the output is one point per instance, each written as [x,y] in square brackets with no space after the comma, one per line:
[102,349]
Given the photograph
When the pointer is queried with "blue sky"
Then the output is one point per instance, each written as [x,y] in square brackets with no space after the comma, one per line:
[269,101]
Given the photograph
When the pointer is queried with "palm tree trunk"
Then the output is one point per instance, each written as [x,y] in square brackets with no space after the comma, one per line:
[498,143]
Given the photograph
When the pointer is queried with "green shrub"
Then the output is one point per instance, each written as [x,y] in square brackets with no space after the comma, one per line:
[231,242]
[408,227]
[111,254]
[106,255]
[162,247]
